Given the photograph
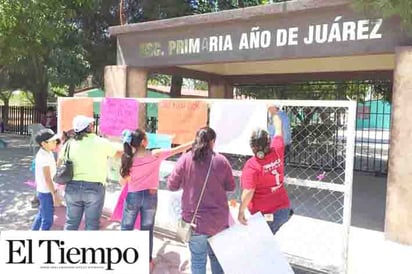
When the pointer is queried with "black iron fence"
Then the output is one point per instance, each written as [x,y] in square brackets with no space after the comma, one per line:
[373,119]
[16,119]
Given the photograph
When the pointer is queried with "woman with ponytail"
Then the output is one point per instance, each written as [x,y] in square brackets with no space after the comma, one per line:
[140,171]
[205,177]
[262,179]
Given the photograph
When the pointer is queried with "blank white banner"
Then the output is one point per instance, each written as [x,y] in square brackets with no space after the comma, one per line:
[249,249]
[234,122]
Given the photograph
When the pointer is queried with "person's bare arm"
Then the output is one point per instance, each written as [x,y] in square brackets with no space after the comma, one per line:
[115,149]
[49,184]
[124,181]
[277,123]
[61,155]
[247,195]
[173,151]
[118,154]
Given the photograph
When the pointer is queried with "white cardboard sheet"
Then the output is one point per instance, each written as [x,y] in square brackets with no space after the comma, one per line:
[249,249]
[234,123]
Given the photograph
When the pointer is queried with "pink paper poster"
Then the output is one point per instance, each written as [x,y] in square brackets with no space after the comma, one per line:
[118,114]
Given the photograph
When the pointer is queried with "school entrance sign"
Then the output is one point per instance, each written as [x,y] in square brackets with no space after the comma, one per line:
[333,32]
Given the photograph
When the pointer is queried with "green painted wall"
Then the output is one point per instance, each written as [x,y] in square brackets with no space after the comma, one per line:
[379,116]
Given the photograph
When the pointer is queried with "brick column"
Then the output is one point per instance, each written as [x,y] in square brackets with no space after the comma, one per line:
[220,90]
[398,220]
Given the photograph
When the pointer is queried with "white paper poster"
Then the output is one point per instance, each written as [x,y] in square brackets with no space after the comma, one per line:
[169,209]
[247,249]
[234,123]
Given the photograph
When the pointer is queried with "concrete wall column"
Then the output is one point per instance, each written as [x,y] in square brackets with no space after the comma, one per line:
[220,89]
[115,81]
[124,81]
[398,220]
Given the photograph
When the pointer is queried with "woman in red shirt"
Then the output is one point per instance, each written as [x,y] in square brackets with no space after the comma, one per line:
[262,179]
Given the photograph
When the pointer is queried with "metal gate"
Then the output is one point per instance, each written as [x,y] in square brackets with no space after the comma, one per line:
[373,113]
[318,177]
[319,173]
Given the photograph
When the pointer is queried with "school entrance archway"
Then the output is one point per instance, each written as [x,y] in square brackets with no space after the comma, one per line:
[281,43]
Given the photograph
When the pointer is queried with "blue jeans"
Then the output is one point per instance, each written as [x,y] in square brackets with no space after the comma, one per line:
[199,249]
[44,218]
[145,203]
[83,197]
[280,217]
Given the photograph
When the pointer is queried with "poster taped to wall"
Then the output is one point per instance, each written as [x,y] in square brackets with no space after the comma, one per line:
[68,108]
[118,114]
[182,118]
[162,141]
[234,124]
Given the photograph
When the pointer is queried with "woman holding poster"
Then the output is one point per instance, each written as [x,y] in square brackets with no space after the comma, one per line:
[262,179]
[140,170]
[203,172]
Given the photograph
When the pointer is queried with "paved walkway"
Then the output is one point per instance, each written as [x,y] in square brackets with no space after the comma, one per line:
[16,212]
[369,252]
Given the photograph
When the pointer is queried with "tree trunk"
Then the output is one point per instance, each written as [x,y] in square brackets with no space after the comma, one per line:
[40,83]
[71,90]
[40,99]
[176,87]
[5,112]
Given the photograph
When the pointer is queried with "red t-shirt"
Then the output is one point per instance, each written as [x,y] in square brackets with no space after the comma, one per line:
[266,176]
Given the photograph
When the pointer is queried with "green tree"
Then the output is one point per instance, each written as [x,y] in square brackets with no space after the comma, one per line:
[93,19]
[9,81]
[148,10]
[320,90]
[31,31]
[68,68]
[205,6]
[388,8]
[5,94]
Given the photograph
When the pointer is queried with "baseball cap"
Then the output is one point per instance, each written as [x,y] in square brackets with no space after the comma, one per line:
[46,135]
[81,122]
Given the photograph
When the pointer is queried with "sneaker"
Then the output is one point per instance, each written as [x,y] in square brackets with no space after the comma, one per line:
[35,203]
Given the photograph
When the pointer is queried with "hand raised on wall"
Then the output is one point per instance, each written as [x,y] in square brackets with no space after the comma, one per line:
[277,123]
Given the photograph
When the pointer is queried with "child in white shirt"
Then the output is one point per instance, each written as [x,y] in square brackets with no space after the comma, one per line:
[45,169]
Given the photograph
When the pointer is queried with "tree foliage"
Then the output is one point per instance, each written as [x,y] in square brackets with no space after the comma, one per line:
[173,8]
[322,90]
[36,41]
[205,6]
[55,44]
[49,45]
[93,19]
[388,8]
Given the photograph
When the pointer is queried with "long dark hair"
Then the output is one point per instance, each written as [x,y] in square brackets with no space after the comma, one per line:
[202,143]
[81,134]
[130,139]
